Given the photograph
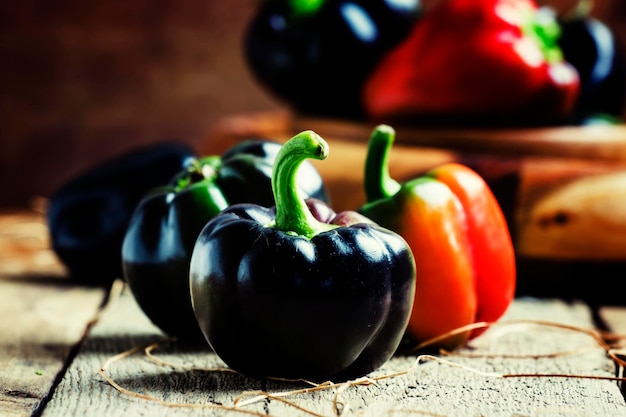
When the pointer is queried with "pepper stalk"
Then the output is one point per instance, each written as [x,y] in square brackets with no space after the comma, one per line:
[378,182]
[303,8]
[292,214]
[202,173]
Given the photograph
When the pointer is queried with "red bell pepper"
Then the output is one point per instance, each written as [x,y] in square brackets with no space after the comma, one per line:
[458,235]
[476,62]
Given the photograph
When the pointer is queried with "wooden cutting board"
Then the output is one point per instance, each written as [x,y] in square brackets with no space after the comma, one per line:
[597,142]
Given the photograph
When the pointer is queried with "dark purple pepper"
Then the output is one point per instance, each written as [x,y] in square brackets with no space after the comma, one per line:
[278,292]
[161,234]
[87,216]
[592,48]
[317,60]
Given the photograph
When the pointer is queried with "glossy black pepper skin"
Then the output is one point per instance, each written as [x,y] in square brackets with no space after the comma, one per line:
[317,62]
[246,173]
[273,304]
[591,47]
[156,252]
[88,215]
[161,235]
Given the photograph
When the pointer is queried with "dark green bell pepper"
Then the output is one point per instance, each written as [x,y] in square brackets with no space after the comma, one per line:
[162,232]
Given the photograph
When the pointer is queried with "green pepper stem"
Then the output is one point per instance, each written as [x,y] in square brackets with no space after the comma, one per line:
[292,214]
[305,8]
[378,182]
[542,26]
[198,170]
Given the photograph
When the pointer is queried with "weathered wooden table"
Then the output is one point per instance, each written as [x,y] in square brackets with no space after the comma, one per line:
[69,350]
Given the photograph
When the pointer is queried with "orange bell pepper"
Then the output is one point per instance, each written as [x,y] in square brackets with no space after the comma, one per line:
[458,235]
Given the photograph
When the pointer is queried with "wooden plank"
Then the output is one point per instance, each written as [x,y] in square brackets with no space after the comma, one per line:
[571,210]
[603,142]
[615,318]
[25,247]
[83,392]
[41,323]
[431,388]
[42,316]
[598,142]
[440,389]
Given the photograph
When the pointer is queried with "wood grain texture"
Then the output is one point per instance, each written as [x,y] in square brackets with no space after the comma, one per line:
[43,319]
[83,392]
[42,316]
[604,142]
[601,142]
[41,324]
[578,218]
[25,246]
[614,318]
[432,387]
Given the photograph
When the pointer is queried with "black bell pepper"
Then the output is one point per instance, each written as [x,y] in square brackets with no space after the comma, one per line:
[593,49]
[279,292]
[161,234]
[88,215]
[305,52]
[245,175]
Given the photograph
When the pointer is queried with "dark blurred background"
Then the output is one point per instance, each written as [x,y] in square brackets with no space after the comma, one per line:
[81,81]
